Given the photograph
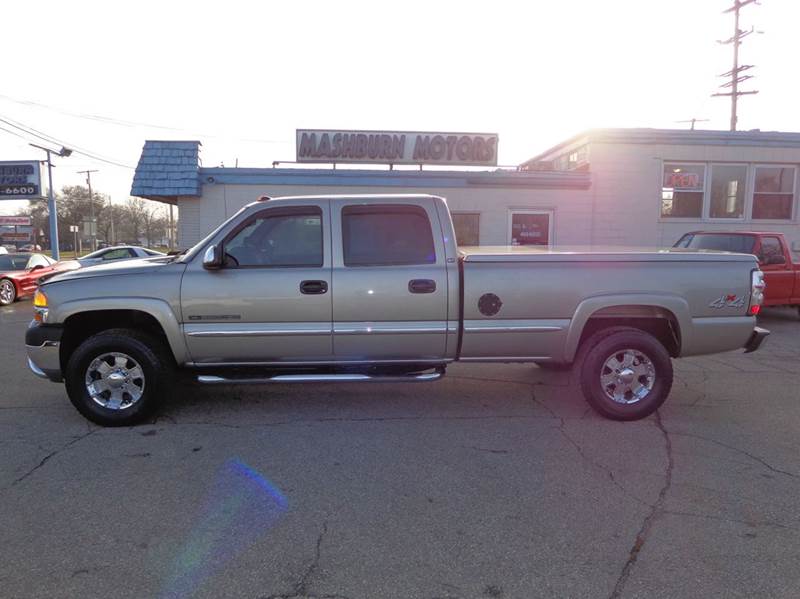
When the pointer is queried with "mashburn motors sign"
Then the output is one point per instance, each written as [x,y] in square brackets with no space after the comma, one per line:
[20,180]
[396,147]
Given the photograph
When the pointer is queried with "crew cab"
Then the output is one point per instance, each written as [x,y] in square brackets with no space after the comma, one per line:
[781,273]
[321,289]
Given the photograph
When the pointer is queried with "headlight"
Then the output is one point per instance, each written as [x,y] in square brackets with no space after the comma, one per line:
[39,299]
[40,310]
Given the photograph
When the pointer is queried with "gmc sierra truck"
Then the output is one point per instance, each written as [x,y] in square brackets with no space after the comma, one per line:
[374,288]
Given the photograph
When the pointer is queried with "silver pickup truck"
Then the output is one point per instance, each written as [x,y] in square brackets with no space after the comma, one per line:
[374,288]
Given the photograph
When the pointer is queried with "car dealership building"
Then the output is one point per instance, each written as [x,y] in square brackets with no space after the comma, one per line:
[643,187]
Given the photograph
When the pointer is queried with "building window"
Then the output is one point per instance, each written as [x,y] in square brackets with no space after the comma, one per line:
[468,227]
[773,192]
[531,227]
[682,190]
[727,190]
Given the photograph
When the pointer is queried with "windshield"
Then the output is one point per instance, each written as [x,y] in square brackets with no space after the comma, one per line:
[742,244]
[13,261]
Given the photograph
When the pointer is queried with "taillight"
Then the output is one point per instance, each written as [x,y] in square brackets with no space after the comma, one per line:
[757,286]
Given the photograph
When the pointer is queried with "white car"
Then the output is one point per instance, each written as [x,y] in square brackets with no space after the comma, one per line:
[3,250]
[119,252]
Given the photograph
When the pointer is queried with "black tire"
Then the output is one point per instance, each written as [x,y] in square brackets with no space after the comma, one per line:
[11,297]
[610,344]
[150,354]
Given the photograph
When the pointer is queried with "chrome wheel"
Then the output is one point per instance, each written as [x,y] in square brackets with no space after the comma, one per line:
[8,292]
[627,376]
[115,381]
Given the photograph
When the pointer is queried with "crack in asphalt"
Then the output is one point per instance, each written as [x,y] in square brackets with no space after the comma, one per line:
[609,472]
[301,589]
[754,524]
[53,453]
[756,458]
[649,520]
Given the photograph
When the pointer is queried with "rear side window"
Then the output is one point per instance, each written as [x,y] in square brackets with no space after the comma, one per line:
[742,244]
[386,235]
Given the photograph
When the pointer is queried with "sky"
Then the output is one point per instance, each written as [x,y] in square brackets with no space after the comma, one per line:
[242,76]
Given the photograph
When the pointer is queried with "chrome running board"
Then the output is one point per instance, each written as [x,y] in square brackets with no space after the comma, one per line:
[429,377]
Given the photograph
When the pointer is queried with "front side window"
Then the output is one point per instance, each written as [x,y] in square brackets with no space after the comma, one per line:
[278,239]
[770,248]
[682,190]
[386,235]
[727,190]
[773,192]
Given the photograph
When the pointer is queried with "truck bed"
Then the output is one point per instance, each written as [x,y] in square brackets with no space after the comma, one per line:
[514,253]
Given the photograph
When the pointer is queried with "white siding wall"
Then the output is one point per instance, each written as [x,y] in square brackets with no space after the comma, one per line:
[626,180]
[571,207]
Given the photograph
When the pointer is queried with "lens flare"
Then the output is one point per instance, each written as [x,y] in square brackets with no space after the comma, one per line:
[240,507]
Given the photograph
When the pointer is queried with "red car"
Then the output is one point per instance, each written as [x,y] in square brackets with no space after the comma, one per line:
[20,273]
[781,273]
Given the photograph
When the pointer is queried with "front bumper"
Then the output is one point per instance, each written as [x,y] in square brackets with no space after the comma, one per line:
[42,343]
[756,339]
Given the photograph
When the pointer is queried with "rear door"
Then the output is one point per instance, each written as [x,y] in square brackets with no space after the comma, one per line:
[389,281]
[271,302]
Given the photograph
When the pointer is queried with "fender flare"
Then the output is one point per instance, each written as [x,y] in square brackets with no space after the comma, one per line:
[157,308]
[675,304]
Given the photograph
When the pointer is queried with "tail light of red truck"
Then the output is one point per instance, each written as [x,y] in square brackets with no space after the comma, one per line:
[757,286]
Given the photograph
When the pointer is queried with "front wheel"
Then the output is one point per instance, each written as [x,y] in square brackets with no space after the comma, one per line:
[118,377]
[8,292]
[625,373]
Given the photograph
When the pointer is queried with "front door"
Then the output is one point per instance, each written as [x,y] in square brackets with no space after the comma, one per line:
[271,301]
[389,282]
[778,276]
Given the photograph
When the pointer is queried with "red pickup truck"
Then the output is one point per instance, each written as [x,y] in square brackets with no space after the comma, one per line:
[781,274]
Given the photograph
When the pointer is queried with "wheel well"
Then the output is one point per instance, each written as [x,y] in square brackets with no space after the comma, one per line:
[81,326]
[659,322]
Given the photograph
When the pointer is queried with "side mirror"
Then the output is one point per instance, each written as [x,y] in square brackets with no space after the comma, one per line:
[37,267]
[776,259]
[212,259]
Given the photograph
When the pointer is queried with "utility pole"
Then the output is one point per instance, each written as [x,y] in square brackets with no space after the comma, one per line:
[51,198]
[93,223]
[113,239]
[735,77]
[693,121]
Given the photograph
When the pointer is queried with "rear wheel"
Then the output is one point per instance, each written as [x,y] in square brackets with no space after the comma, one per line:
[118,377]
[625,373]
[8,292]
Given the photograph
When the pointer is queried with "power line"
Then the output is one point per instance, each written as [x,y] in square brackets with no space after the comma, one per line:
[131,124]
[53,140]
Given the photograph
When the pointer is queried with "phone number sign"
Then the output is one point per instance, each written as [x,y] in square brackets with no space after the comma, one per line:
[20,180]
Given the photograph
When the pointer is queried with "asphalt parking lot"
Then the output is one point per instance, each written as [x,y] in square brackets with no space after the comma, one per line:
[495,482]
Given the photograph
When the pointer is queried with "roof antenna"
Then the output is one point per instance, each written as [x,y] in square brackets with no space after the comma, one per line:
[693,121]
